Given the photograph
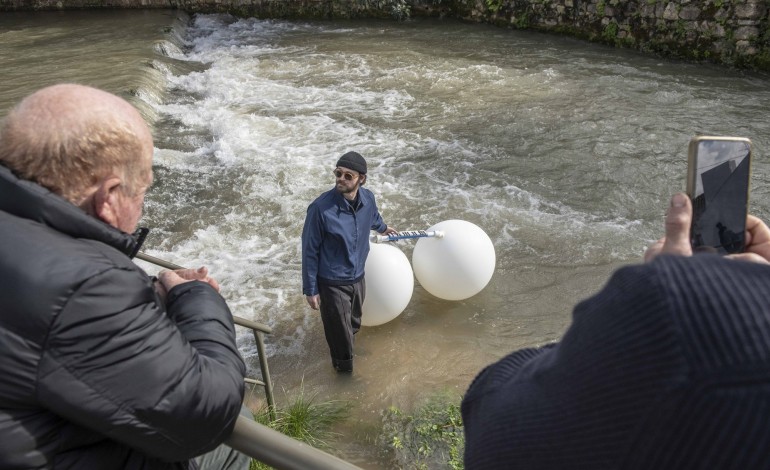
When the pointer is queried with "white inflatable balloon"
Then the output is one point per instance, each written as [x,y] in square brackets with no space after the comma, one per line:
[389,284]
[456,266]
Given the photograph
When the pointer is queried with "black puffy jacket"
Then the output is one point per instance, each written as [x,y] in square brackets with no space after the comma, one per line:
[94,371]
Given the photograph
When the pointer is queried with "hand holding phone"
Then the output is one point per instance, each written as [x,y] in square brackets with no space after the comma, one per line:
[757,241]
[676,240]
[718,185]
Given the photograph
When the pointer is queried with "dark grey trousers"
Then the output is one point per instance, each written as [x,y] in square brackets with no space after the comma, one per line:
[341,308]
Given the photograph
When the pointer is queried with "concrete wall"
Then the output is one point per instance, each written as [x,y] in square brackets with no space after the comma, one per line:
[731,32]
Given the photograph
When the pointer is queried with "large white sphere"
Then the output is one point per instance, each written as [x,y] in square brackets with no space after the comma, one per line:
[389,284]
[456,266]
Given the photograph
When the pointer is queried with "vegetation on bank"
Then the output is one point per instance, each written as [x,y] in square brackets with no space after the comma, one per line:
[305,419]
[430,436]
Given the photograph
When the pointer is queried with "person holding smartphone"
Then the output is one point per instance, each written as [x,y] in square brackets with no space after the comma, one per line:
[668,366]
[335,245]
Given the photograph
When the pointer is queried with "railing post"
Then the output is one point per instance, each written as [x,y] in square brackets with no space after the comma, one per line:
[265,373]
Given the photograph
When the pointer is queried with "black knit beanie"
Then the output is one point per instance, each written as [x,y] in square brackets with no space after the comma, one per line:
[354,161]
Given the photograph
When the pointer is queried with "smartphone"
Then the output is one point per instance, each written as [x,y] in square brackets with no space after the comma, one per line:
[718,185]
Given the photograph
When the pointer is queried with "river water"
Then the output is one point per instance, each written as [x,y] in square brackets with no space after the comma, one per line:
[563,152]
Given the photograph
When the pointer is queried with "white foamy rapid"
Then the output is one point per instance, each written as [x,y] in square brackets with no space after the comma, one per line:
[507,133]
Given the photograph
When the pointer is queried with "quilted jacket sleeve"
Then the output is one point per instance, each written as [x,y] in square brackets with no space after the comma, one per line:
[169,385]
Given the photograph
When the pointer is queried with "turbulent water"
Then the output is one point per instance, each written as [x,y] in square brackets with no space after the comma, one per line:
[565,153]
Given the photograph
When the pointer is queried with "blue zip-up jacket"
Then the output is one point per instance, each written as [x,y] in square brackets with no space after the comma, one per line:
[335,239]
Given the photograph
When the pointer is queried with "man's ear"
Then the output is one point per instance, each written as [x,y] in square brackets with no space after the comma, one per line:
[105,200]
[363,179]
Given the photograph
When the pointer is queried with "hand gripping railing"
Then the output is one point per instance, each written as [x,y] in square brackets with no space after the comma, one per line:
[258,329]
[258,441]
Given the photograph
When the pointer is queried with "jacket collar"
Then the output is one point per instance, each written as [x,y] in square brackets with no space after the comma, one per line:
[29,200]
[342,203]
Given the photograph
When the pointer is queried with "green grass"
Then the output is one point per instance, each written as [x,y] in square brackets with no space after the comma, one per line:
[429,437]
[304,419]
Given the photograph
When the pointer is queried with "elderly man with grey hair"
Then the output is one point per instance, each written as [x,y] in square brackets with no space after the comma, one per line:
[102,366]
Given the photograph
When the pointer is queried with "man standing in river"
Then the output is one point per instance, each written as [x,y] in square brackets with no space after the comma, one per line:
[102,366]
[335,245]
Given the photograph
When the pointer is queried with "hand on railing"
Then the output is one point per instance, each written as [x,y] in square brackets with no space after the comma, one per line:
[171,279]
[175,267]
[257,328]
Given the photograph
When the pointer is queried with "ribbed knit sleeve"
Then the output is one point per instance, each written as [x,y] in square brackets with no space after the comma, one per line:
[627,378]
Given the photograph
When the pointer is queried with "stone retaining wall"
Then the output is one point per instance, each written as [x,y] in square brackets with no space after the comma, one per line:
[731,32]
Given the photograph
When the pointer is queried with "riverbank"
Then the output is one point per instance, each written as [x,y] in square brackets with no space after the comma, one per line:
[732,33]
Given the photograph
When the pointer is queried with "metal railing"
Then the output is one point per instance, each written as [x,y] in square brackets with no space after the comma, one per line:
[280,451]
[257,328]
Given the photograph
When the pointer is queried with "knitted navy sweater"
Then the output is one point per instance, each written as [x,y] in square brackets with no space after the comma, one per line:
[666,367]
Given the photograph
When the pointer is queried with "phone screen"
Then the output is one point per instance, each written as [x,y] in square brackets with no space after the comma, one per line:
[719,189]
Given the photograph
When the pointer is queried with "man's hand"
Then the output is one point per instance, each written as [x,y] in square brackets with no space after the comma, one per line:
[677,238]
[389,231]
[167,280]
[757,242]
[314,301]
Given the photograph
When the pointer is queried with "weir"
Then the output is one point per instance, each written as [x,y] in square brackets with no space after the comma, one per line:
[151,86]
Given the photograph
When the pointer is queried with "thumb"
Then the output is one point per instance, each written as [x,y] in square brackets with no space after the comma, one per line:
[678,220]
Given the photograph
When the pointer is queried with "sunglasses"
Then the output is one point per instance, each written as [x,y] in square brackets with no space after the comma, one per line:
[348,176]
